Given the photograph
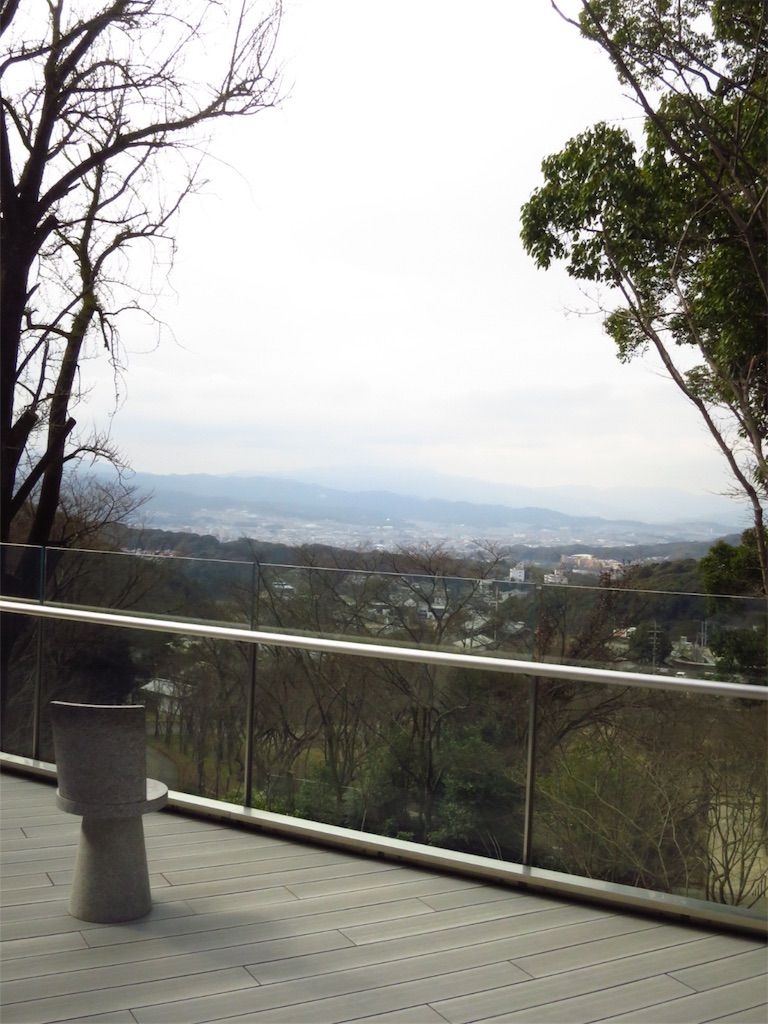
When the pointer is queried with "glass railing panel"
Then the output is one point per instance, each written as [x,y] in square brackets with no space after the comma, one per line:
[647,788]
[21,571]
[652,789]
[302,599]
[196,716]
[195,691]
[427,754]
[609,626]
[447,613]
[736,635]
[20,642]
[346,604]
[21,637]
[181,588]
[86,663]
[673,634]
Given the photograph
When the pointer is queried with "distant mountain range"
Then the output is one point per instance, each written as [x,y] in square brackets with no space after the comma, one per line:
[648,504]
[298,512]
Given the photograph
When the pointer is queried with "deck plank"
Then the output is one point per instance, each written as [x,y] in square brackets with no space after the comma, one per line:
[249,927]
[196,987]
[423,888]
[423,1014]
[644,995]
[592,953]
[725,970]
[754,1015]
[557,987]
[555,935]
[329,998]
[154,950]
[702,1006]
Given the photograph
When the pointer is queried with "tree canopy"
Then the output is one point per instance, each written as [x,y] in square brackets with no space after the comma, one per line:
[676,225]
[733,569]
[103,120]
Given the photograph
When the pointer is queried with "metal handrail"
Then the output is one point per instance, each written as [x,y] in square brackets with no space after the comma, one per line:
[384,652]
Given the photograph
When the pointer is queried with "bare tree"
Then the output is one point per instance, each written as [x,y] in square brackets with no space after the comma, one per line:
[436,594]
[103,121]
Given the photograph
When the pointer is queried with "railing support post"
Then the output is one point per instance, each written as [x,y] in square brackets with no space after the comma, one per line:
[38,688]
[530,770]
[250,711]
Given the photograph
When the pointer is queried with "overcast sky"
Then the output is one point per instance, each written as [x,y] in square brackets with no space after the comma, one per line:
[351,291]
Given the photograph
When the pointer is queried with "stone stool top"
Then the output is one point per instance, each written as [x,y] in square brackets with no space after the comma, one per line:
[101,761]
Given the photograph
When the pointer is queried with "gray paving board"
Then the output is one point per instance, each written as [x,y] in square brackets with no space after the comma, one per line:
[249,927]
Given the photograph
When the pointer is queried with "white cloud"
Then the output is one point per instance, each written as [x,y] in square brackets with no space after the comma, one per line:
[356,292]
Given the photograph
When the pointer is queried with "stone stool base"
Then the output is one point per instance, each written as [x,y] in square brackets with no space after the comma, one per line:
[111,880]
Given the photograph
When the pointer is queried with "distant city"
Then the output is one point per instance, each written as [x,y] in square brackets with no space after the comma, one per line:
[231,523]
[294,513]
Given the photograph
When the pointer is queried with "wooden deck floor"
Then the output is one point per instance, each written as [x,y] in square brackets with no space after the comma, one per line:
[249,927]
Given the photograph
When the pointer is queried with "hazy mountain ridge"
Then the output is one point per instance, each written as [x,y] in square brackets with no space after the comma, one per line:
[298,512]
[647,504]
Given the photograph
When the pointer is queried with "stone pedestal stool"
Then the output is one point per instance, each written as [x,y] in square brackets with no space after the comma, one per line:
[101,767]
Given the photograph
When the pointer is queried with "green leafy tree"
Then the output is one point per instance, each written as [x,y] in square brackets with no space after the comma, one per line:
[480,806]
[733,568]
[676,227]
[742,650]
